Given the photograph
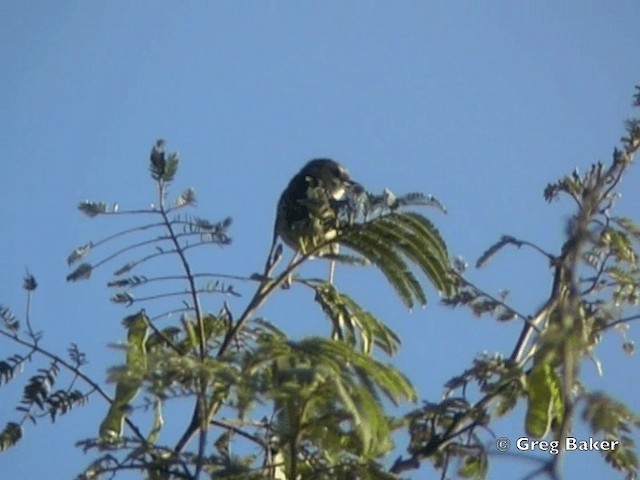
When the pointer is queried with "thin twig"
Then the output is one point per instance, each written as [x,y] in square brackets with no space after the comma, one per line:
[497,301]
[200,403]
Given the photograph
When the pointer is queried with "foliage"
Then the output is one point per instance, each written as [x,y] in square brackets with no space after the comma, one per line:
[266,406]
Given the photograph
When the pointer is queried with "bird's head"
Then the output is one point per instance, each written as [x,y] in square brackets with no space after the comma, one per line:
[334,177]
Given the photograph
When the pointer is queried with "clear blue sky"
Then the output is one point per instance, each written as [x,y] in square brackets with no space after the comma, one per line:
[479,103]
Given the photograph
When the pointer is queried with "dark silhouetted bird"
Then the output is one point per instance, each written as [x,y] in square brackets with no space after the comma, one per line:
[307,212]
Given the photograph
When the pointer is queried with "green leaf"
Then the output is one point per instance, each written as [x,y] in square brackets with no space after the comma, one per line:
[628,225]
[473,466]
[131,379]
[544,400]
[351,323]
[211,325]
[622,247]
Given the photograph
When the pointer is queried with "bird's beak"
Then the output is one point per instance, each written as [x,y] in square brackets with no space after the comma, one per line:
[347,187]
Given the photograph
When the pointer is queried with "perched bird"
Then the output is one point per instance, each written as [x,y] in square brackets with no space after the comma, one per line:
[307,211]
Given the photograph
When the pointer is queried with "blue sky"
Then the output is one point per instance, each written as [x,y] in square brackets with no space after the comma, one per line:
[478,103]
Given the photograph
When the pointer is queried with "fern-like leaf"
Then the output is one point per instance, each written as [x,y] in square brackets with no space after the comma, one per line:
[161,166]
[420,199]
[397,241]
[93,209]
[61,402]
[339,389]
[77,356]
[188,197]
[130,282]
[9,321]
[10,435]
[82,272]
[9,368]
[352,324]
[365,240]
[79,253]
[611,419]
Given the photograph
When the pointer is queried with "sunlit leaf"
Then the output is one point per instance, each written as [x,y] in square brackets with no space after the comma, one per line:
[129,382]
[544,400]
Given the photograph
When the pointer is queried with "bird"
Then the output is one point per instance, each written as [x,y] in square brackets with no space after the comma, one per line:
[307,212]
